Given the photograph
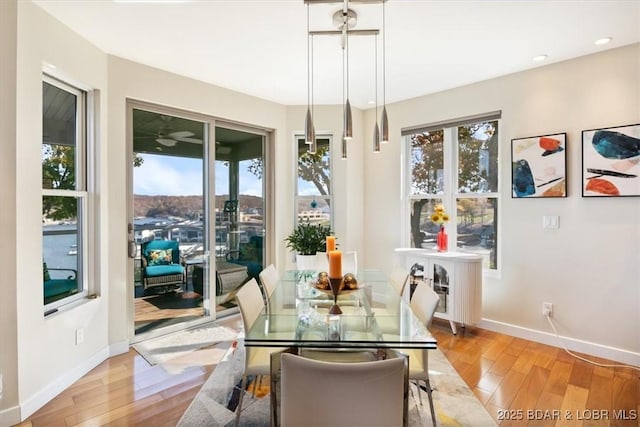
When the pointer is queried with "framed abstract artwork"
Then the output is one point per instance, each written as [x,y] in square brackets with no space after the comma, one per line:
[611,161]
[539,166]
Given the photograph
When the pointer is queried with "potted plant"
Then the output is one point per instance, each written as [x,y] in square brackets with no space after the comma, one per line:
[307,239]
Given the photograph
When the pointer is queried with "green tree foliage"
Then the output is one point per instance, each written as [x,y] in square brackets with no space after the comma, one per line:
[426,160]
[477,142]
[58,172]
[314,168]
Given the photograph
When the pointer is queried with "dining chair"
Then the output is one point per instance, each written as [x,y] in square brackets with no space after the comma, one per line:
[399,279]
[319,393]
[322,262]
[269,278]
[423,304]
[257,360]
[350,262]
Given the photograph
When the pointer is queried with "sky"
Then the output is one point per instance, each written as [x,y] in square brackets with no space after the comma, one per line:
[180,176]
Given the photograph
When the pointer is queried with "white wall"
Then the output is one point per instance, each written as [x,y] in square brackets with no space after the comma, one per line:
[8,316]
[47,354]
[590,267]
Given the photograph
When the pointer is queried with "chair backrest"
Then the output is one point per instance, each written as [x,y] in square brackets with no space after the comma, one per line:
[269,278]
[251,303]
[424,303]
[350,262]
[161,252]
[399,279]
[342,394]
[322,262]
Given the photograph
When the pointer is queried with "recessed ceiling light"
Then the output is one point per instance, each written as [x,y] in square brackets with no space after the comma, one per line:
[371,102]
[603,40]
[540,58]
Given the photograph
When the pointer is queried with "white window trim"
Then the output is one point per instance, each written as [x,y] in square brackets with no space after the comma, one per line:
[450,185]
[86,131]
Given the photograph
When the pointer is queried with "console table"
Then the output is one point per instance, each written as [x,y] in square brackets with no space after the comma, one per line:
[455,276]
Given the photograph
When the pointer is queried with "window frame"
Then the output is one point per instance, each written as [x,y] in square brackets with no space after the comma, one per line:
[84,182]
[451,193]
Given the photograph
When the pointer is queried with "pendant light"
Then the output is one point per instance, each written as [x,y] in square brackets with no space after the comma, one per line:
[384,120]
[309,131]
[314,142]
[376,129]
[348,119]
[344,18]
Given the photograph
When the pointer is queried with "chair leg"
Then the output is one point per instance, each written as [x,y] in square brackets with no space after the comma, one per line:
[239,408]
[257,382]
[419,393]
[430,397]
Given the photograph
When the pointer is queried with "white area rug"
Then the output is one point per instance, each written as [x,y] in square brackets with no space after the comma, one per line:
[455,404]
[177,347]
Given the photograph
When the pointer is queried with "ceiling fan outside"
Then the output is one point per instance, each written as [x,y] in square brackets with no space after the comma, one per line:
[172,138]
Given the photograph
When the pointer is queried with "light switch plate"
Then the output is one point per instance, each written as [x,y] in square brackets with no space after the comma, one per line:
[550,221]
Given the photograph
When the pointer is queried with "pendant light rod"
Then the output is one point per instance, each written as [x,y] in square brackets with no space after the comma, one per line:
[309,128]
[384,119]
[348,118]
[314,142]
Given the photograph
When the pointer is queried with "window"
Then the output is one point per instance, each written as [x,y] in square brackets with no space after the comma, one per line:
[64,193]
[456,164]
[313,201]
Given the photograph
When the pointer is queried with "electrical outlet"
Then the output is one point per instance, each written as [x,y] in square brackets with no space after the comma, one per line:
[79,336]
[547,309]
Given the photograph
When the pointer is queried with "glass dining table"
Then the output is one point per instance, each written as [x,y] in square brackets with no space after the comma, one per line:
[373,316]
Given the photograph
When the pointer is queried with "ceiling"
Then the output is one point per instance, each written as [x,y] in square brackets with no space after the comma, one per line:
[259,47]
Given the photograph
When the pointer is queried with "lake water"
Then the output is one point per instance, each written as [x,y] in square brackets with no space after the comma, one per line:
[57,241]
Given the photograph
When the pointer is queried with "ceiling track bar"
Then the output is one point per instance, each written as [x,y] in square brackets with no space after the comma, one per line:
[339,32]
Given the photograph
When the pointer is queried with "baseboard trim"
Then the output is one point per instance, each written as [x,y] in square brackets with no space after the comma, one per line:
[44,396]
[10,416]
[612,353]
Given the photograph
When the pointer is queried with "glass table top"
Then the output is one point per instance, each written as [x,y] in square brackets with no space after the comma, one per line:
[373,316]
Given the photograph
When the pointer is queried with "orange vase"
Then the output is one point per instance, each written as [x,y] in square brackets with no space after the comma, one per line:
[442,240]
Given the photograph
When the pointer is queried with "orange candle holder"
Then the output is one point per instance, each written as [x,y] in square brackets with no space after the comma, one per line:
[336,286]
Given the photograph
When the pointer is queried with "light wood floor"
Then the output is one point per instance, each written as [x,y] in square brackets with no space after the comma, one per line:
[509,375]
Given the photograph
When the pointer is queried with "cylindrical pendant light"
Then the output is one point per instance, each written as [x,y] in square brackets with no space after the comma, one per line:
[384,120]
[376,138]
[344,146]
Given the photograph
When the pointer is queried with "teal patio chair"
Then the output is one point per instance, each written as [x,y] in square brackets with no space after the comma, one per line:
[163,270]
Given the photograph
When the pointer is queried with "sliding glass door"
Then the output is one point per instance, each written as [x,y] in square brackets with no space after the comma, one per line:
[240,210]
[169,227]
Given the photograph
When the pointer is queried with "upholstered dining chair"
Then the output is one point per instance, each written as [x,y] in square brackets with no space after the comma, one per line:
[423,303]
[399,279]
[257,360]
[269,278]
[322,262]
[342,394]
[350,262]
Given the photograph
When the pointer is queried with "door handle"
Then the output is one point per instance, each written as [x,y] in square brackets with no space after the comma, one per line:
[132,249]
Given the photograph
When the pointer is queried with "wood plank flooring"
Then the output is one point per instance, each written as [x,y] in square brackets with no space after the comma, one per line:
[521,382]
